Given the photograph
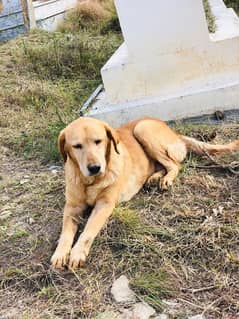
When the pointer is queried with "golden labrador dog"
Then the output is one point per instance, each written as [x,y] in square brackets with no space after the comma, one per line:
[106,166]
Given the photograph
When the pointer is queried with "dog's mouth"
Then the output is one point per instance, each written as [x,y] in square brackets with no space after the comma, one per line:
[96,174]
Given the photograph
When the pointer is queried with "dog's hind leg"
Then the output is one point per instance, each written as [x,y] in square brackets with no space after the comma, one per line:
[172,169]
[155,178]
[163,145]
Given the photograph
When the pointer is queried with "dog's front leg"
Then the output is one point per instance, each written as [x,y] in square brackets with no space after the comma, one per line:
[103,209]
[61,256]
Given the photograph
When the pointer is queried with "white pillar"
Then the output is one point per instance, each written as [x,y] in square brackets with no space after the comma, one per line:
[169,65]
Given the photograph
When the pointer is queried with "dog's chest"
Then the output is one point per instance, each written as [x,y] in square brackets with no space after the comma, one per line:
[91,194]
[133,185]
[93,191]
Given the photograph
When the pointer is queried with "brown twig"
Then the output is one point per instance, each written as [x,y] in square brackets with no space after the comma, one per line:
[232,167]
[203,289]
[211,305]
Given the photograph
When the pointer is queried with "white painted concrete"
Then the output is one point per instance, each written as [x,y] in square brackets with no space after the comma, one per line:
[50,8]
[48,14]
[196,102]
[168,56]
[226,20]
[157,27]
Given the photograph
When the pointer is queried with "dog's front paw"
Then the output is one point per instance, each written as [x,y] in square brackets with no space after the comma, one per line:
[60,258]
[77,258]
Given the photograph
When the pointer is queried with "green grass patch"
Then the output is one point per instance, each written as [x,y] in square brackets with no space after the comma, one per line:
[153,287]
[78,55]
[41,143]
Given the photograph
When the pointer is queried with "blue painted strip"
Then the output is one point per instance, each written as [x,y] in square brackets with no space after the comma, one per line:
[12,12]
[12,20]
[11,6]
[11,33]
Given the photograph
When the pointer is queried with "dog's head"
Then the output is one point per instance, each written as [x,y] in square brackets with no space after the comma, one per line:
[87,142]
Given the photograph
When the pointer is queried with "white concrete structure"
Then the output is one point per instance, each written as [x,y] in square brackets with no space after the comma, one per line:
[49,13]
[169,65]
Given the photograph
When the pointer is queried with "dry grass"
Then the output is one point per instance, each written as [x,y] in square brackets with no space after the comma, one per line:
[98,16]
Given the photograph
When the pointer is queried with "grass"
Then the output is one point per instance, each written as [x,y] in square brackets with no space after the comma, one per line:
[232,4]
[209,16]
[97,16]
[49,75]
[180,245]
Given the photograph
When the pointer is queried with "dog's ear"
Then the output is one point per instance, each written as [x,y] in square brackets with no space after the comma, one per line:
[112,135]
[61,145]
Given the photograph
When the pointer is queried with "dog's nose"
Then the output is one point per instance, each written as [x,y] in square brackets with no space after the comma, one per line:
[93,169]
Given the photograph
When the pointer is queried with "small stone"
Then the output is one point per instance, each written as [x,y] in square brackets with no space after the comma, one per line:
[4,150]
[24,181]
[197,317]
[171,303]
[55,168]
[142,310]
[31,221]
[218,211]
[5,198]
[126,314]
[172,306]
[106,315]
[121,290]
[5,214]
[162,316]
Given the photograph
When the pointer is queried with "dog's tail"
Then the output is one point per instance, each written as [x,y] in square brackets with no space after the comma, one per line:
[202,148]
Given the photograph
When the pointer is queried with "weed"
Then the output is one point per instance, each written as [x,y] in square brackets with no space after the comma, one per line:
[153,287]
[98,17]
[70,56]
[19,233]
[232,4]
[34,141]
[209,16]
[47,292]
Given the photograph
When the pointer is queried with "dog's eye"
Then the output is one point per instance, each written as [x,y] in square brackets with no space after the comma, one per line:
[78,146]
[98,142]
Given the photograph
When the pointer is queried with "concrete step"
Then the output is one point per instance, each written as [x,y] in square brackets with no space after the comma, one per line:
[226,19]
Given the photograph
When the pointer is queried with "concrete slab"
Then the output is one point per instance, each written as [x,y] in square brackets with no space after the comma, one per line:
[194,103]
